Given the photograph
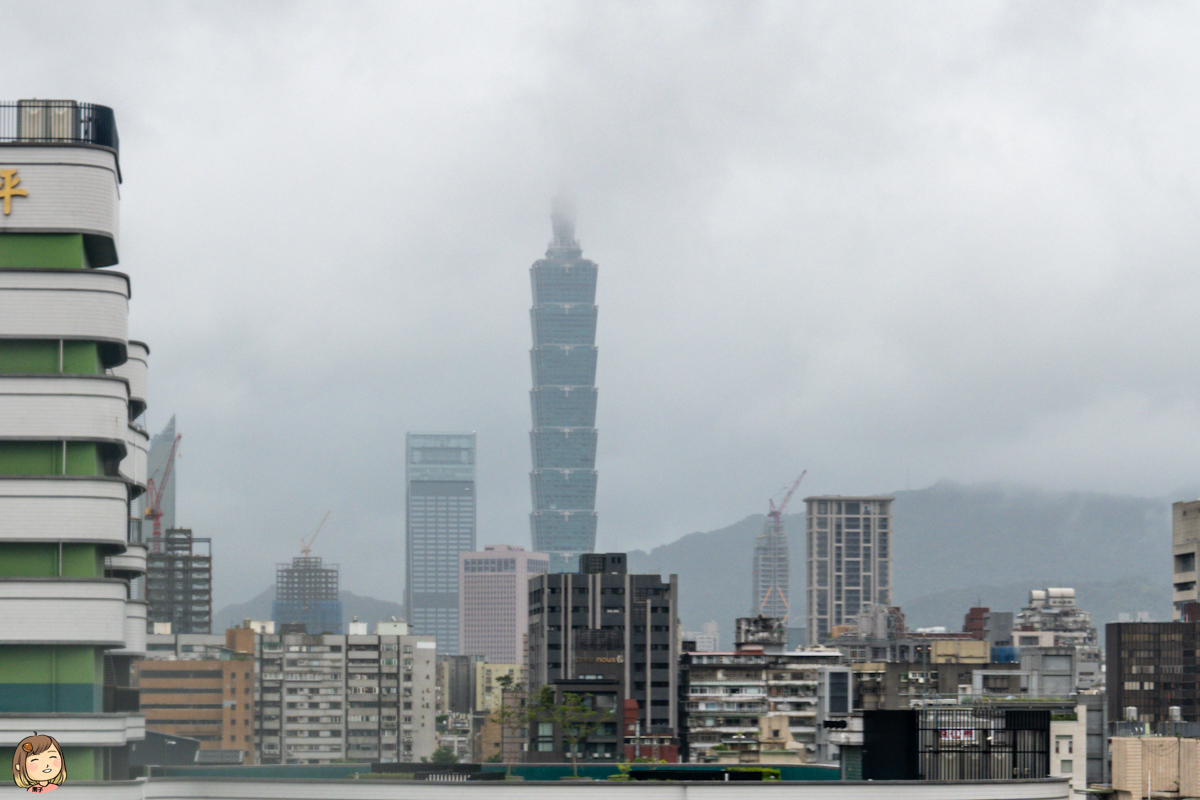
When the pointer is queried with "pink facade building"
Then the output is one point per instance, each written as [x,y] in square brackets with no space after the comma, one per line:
[493,601]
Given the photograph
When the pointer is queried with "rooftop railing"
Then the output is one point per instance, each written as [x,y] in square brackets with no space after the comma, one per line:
[58,122]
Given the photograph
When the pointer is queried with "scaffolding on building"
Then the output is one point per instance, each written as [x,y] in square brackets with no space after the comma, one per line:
[772,566]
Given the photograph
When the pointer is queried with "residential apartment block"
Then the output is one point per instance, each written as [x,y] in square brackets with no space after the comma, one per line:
[493,601]
[762,703]
[323,698]
[849,559]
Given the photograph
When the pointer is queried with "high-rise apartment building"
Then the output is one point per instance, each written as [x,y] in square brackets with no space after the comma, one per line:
[494,601]
[161,445]
[357,697]
[564,398]
[179,582]
[1185,535]
[306,593]
[601,623]
[72,454]
[440,524]
[849,560]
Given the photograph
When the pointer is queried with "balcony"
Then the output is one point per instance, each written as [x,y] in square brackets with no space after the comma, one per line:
[58,122]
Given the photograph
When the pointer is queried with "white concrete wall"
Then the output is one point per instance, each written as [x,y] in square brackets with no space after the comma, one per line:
[68,303]
[64,509]
[79,730]
[134,370]
[71,190]
[65,407]
[268,789]
[63,611]
[135,629]
[133,466]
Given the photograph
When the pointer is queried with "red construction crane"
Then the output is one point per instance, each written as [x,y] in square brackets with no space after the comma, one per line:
[771,563]
[775,515]
[154,493]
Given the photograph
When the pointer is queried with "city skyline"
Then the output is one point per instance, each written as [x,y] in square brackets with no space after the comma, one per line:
[829,240]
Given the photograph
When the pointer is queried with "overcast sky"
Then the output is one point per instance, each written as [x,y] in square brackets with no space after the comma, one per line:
[888,243]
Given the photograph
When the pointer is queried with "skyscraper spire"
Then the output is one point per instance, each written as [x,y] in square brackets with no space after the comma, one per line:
[562,220]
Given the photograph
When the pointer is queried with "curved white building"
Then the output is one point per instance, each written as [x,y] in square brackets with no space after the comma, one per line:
[72,451]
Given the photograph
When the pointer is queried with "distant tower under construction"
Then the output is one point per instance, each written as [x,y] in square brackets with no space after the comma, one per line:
[771,563]
[306,593]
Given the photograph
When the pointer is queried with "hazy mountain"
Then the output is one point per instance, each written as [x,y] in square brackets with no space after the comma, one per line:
[367,609]
[953,545]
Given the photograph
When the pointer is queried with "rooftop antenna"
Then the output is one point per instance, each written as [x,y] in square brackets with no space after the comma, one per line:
[562,221]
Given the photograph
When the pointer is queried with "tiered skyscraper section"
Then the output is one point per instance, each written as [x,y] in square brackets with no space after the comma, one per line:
[564,398]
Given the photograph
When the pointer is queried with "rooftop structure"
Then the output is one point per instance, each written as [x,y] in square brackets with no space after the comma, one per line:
[563,358]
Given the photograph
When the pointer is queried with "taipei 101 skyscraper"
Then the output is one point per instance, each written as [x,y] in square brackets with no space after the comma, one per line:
[564,397]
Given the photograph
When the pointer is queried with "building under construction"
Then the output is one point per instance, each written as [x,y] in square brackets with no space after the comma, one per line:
[772,566]
[179,582]
[306,593]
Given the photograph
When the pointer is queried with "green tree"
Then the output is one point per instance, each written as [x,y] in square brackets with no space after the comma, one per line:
[444,755]
[574,716]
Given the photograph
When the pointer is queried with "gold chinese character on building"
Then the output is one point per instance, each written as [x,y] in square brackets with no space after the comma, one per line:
[9,190]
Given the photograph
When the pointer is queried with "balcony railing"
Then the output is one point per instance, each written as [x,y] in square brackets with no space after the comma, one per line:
[58,122]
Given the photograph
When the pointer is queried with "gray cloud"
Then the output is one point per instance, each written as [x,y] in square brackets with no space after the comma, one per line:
[883,242]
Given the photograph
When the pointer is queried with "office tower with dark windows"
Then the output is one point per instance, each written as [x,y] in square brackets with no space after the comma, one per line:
[602,630]
[564,398]
[849,560]
[440,524]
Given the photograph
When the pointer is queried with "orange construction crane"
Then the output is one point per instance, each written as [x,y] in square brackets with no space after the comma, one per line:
[154,497]
[306,545]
